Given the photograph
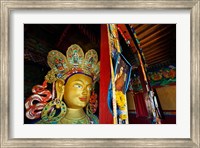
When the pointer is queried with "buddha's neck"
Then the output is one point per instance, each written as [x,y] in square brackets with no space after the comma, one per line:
[75,113]
[75,116]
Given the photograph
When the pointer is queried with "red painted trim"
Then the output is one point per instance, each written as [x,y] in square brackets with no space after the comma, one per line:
[105,116]
[125,33]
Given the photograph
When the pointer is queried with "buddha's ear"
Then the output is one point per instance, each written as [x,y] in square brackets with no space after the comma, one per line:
[60,88]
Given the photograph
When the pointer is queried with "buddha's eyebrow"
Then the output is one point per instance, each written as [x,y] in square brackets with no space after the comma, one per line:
[89,84]
[86,83]
[79,81]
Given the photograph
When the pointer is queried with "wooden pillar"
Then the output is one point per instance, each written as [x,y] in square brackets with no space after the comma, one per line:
[142,79]
[105,116]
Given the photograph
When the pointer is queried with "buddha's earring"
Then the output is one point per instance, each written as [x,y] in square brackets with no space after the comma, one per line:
[49,113]
[51,110]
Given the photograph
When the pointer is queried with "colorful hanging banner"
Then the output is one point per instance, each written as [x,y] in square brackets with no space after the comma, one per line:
[120,70]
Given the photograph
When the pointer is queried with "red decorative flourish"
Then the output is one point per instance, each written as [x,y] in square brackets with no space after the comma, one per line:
[36,102]
[93,102]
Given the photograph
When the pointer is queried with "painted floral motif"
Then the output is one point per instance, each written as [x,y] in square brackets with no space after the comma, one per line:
[163,76]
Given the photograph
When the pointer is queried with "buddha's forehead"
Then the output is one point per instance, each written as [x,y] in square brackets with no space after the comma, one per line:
[80,78]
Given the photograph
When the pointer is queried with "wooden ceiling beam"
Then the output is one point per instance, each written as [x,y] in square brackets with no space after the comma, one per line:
[36,57]
[135,26]
[155,40]
[142,28]
[158,56]
[153,28]
[156,48]
[166,56]
[154,35]
[163,42]
[158,52]
[159,62]
[63,36]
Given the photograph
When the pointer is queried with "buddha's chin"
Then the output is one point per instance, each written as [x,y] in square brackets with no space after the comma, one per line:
[78,106]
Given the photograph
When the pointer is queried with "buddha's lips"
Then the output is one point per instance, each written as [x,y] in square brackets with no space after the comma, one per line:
[82,99]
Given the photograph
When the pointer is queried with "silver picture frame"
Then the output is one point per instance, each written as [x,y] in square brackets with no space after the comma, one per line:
[8,6]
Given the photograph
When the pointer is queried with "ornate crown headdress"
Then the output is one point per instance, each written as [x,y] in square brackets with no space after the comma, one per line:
[62,67]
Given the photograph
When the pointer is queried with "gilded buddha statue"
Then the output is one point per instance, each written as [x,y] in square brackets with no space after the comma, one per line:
[72,100]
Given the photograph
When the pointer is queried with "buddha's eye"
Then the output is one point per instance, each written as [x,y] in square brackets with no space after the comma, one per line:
[78,86]
[89,87]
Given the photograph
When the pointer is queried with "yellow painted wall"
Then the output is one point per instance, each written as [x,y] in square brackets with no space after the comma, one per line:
[167,97]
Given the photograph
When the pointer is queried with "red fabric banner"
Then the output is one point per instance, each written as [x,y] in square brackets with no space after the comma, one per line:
[140,106]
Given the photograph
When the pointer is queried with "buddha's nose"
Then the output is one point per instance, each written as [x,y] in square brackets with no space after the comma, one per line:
[84,91]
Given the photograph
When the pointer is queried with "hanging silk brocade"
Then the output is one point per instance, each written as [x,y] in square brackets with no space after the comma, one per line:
[120,75]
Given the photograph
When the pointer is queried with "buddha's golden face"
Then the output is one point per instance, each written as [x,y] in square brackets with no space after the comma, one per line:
[77,91]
